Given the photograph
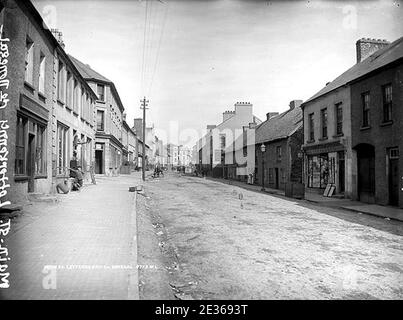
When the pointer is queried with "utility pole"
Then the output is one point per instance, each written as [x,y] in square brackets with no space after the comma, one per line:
[144,104]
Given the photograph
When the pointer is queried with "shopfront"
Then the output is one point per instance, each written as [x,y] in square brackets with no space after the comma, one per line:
[325,165]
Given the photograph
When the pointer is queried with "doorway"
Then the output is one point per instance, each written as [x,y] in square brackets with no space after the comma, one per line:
[366,172]
[31,163]
[99,157]
[394,176]
[276,181]
[341,171]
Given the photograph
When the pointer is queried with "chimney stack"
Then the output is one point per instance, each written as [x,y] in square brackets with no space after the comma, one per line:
[210,127]
[270,115]
[366,46]
[58,36]
[227,114]
[295,103]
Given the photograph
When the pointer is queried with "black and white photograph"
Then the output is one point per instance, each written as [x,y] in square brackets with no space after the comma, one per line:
[201,150]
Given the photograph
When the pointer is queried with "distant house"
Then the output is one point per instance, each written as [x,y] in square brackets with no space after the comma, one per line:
[109,120]
[282,136]
[213,147]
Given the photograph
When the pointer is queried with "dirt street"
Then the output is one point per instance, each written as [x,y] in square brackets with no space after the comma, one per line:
[219,241]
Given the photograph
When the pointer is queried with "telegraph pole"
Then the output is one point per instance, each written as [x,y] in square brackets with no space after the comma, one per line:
[144,104]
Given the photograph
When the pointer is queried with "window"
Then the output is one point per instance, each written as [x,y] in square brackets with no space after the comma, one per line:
[222,142]
[323,117]
[76,97]
[365,109]
[61,82]
[40,155]
[311,128]
[278,153]
[42,61]
[29,61]
[339,119]
[387,102]
[61,148]
[69,101]
[394,153]
[20,146]
[100,120]
[318,171]
[271,179]
[101,92]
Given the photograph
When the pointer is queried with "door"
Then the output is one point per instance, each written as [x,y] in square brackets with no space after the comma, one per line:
[394,182]
[276,181]
[366,173]
[31,163]
[99,161]
[341,172]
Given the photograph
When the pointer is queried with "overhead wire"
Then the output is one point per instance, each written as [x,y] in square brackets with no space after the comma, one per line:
[158,49]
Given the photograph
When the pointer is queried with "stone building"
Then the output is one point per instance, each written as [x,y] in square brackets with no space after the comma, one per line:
[129,150]
[109,121]
[282,136]
[49,110]
[353,129]
[327,139]
[377,125]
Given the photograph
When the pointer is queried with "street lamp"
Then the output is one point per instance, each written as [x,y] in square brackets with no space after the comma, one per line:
[263,149]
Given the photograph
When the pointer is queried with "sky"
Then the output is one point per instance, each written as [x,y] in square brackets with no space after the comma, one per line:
[195,59]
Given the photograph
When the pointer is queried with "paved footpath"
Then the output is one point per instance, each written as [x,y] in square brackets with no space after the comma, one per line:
[81,247]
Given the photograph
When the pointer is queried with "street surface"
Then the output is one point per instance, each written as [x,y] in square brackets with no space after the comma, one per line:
[198,239]
[224,242]
[87,235]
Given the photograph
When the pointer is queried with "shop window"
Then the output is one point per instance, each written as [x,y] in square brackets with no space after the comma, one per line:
[40,155]
[318,171]
[20,146]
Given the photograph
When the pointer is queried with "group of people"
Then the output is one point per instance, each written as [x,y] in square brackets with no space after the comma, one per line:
[158,171]
[76,173]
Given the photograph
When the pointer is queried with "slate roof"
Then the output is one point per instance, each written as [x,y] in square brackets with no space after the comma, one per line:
[279,127]
[87,72]
[379,59]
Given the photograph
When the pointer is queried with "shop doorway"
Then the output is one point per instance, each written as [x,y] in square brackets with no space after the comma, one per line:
[31,163]
[99,159]
[366,172]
